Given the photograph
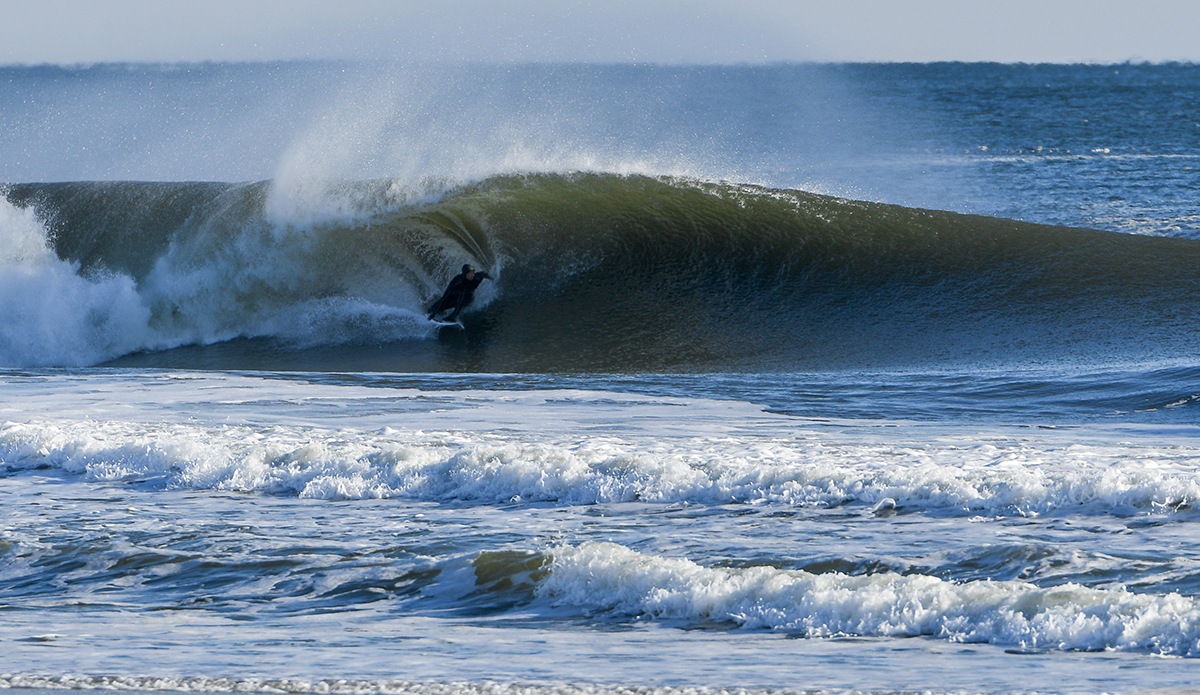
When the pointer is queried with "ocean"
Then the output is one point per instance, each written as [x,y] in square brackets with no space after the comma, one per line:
[788,378]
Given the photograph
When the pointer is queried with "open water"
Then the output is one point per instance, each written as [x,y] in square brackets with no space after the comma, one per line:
[875,378]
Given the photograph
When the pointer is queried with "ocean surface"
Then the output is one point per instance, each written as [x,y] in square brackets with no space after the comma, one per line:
[791,378]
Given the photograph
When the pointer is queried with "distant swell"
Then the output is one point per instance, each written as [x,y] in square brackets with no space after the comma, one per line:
[593,273]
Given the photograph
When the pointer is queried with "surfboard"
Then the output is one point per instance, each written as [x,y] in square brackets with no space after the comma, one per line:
[440,322]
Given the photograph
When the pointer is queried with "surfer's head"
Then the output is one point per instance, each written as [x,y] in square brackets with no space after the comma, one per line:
[468,268]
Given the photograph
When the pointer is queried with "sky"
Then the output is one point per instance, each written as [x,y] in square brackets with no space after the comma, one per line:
[601,31]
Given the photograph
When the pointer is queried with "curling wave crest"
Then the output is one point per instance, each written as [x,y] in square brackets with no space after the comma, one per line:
[593,272]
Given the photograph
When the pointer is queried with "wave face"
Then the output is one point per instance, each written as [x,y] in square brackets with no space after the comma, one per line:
[592,272]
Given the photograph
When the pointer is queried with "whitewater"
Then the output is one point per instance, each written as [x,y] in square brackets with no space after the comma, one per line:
[795,378]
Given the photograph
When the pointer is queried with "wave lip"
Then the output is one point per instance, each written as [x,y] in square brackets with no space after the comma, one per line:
[606,577]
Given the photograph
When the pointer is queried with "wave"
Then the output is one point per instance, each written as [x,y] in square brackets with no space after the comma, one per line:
[594,272]
[54,315]
[609,578]
[344,686]
[955,478]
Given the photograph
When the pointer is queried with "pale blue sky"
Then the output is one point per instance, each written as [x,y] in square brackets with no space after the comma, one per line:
[661,31]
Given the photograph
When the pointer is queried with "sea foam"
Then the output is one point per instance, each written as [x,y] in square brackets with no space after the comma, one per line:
[607,577]
[954,477]
[50,314]
[343,686]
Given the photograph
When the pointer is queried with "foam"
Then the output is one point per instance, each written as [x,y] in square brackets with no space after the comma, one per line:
[607,577]
[342,686]
[52,315]
[958,476]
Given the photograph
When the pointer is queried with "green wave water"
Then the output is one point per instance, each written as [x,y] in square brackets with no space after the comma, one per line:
[599,272]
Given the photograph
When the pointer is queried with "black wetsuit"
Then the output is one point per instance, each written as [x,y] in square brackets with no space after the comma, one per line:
[458,294]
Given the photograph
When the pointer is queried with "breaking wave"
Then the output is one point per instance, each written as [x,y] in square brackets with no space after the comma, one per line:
[967,477]
[611,578]
[593,272]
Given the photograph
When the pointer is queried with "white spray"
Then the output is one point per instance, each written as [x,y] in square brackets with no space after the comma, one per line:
[50,315]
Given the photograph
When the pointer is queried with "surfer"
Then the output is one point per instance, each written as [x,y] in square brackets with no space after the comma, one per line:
[459,292]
